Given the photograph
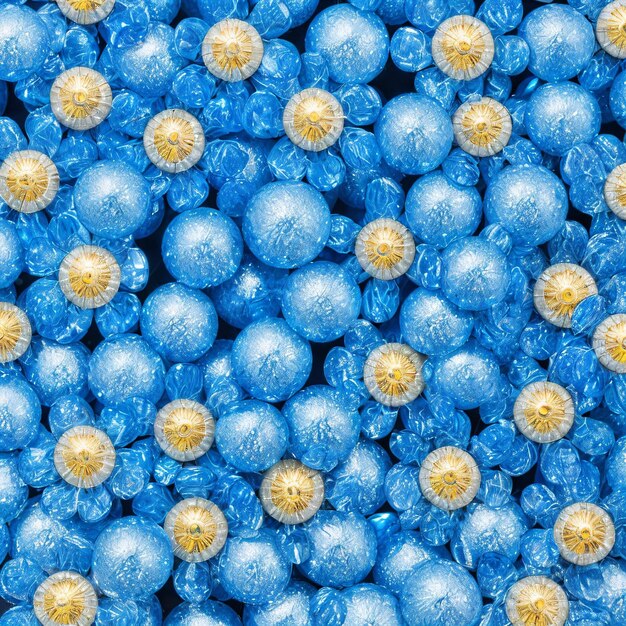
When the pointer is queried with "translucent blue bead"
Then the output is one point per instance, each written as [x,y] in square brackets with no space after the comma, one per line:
[163,10]
[208,612]
[14,493]
[11,254]
[128,612]
[343,234]
[188,37]
[361,103]
[539,551]
[381,299]
[495,574]
[314,71]
[501,17]
[491,445]
[279,69]
[270,18]
[432,82]
[410,49]
[121,315]
[287,161]
[20,412]
[262,115]
[384,197]
[19,579]
[511,55]
[461,168]
[325,171]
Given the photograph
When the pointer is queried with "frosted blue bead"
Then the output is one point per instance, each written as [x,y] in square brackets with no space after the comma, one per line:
[20,412]
[361,103]
[410,49]
[561,42]
[354,43]
[209,613]
[328,607]
[414,133]
[371,603]
[290,608]
[501,17]
[13,491]
[125,612]
[11,254]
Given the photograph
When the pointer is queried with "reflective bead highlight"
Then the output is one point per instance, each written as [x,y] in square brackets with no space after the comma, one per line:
[313,119]
[65,598]
[536,601]
[393,374]
[84,456]
[449,478]
[184,429]
[232,50]
[544,411]
[89,276]
[29,181]
[385,248]
[560,289]
[609,343]
[584,533]
[482,128]
[611,29]
[86,11]
[174,140]
[15,332]
[615,191]
[291,492]
[80,98]
[197,529]
[463,47]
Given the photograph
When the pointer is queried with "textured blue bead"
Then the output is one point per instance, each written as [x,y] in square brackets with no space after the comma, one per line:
[290,608]
[209,613]
[11,254]
[368,602]
[20,412]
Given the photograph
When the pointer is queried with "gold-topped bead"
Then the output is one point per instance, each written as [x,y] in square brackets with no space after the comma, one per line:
[184,429]
[463,47]
[449,478]
[609,343]
[536,601]
[197,529]
[611,29]
[482,128]
[393,374]
[291,492]
[15,332]
[84,456]
[232,50]
[29,181]
[65,599]
[89,276]
[385,248]
[615,191]
[86,11]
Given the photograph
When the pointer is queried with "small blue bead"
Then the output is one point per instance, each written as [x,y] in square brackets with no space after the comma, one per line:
[361,103]
[209,613]
[410,49]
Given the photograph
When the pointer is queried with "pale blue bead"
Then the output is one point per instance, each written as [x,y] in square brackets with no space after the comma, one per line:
[414,133]
[179,322]
[213,11]
[209,613]
[163,10]
[11,254]
[286,224]
[343,549]
[13,490]
[20,412]
[561,42]
[270,360]
[371,604]
[19,616]
[410,49]
[300,10]
[290,608]
[354,43]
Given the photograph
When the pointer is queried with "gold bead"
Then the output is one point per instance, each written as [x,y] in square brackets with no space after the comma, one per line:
[482,128]
[15,332]
[65,599]
[86,11]
[611,29]
[609,343]
[536,601]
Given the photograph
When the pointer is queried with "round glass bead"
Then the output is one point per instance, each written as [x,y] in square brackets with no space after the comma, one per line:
[20,413]
[393,374]
[291,492]
[537,600]
[385,248]
[449,478]
[80,98]
[544,411]
[86,11]
[174,140]
[65,598]
[482,128]
[584,533]
[611,29]
[313,119]
[89,277]
[15,332]
[197,529]
[615,191]
[609,343]
[463,47]
[29,181]
[184,429]
[232,50]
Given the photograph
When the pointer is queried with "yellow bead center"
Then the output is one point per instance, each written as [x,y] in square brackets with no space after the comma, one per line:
[195,529]
[174,139]
[564,290]
[27,179]
[85,455]
[89,274]
[232,48]
[384,247]
[185,429]
[314,118]
[538,605]
[10,332]
[292,489]
[483,124]
[394,373]
[450,477]
[584,532]
[544,410]
[64,602]
[81,94]
[615,342]
[463,46]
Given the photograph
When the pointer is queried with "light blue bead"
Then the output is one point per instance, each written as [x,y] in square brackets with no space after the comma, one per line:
[410,49]
[354,43]
[124,367]
[13,490]
[251,435]
[125,612]
[202,248]
[209,613]
[271,361]
[112,199]
[20,412]
[11,254]
[414,133]
[501,16]
[511,55]
[371,604]
[529,201]
[19,616]
[163,10]
[618,99]
[561,42]
[300,10]
[290,608]
[361,104]
[213,11]
[286,224]
[132,558]
[343,549]
[179,322]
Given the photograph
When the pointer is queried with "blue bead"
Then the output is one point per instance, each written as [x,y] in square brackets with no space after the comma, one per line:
[410,49]
[501,17]
[361,103]
[209,613]
[163,10]
[20,412]
[213,11]
[11,254]
[291,608]
[371,603]
[14,492]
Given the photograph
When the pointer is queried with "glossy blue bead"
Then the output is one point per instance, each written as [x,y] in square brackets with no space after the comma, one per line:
[209,613]
[290,608]
[20,412]
[11,254]
[13,490]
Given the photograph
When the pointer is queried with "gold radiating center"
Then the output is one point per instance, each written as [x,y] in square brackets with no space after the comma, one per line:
[450,476]
[89,274]
[184,429]
[232,48]
[10,333]
[292,489]
[85,5]
[616,26]
[544,410]
[394,373]
[85,455]
[615,341]
[174,139]
[27,179]
[584,532]
[384,247]
[314,117]
[463,46]
[81,94]
[195,529]
[564,290]
[482,124]
[538,604]
[64,602]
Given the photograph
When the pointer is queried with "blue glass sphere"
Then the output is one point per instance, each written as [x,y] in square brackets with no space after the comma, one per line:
[432,325]
[414,133]
[24,42]
[321,301]
[112,199]
[290,608]
[124,367]
[529,201]
[11,254]
[20,412]
[251,435]
[132,558]
[476,273]
[324,428]
[370,604]
[258,554]
[561,42]
[270,360]
[208,613]
[13,490]
[342,549]
[354,43]
[179,322]
[439,211]
[286,224]
[561,116]
[202,248]
[440,593]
